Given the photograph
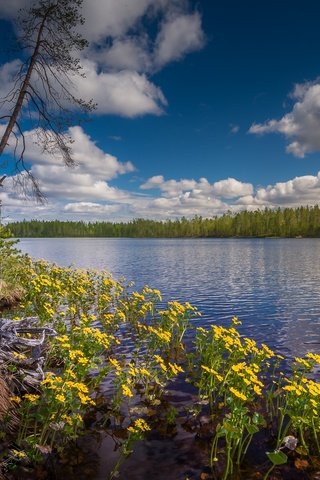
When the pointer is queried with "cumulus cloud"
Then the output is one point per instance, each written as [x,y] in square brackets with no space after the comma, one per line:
[89,158]
[112,18]
[90,207]
[178,35]
[298,191]
[228,188]
[86,182]
[128,53]
[187,205]
[126,93]
[84,193]
[132,46]
[301,126]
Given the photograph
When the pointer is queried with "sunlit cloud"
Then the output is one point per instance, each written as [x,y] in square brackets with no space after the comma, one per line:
[301,126]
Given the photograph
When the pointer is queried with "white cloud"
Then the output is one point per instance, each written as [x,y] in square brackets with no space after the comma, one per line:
[178,35]
[231,188]
[128,53]
[170,187]
[83,193]
[179,31]
[89,158]
[89,207]
[302,125]
[228,188]
[86,182]
[298,191]
[125,93]
[111,18]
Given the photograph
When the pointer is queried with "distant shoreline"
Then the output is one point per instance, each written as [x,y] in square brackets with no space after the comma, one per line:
[301,222]
[174,238]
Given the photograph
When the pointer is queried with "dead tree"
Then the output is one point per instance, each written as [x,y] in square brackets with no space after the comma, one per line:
[43,88]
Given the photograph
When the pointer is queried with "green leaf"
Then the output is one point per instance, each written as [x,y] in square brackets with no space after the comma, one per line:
[277,457]
[258,419]
[252,429]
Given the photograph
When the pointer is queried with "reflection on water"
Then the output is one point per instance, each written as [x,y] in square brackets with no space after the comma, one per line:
[273,285]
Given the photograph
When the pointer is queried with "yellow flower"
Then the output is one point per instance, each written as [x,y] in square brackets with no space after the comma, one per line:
[268,352]
[121,315]
[18,453]
[164,335]
[236,321]
[313,356]
[19,356]
[133,371]
[213,372]
[81,387]
[238,367]
[67,419]
[61,398]
[70,372]
[289,388]
[175,368]
[238,394]
[257,390]
[138,296]
[32,398]
[83,361]
[126,391]
[303,362]
[163,367]
[84,399]
[15,399]
[140,425]
[115,363]
[75,353]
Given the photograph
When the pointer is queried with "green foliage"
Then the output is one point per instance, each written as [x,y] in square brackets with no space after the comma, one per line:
[277,457]
[288,222]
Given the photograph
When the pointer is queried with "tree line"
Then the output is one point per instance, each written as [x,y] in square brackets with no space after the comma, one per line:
[288,222]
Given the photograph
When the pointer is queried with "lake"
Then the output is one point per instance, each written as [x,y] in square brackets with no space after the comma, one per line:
[272,285]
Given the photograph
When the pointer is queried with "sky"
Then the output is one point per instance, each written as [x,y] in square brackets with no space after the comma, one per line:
[202,107]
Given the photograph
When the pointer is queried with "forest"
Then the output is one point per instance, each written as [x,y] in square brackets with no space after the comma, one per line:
[303,221]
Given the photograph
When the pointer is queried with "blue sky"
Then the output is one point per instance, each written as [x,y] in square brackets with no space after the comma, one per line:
[202,107]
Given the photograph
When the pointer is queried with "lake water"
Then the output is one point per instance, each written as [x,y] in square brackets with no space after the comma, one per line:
[272,285]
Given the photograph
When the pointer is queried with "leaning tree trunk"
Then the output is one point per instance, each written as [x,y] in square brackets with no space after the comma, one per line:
[24,88]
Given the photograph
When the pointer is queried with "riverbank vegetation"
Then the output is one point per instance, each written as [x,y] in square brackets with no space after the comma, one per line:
[288,222]
[109,356]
